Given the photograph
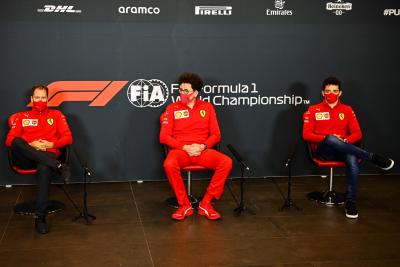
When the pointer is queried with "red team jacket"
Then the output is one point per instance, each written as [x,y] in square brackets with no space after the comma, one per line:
[181,125]
[49,125]
[321,120]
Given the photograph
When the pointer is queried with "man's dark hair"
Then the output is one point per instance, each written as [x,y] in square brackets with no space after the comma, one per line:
[193,79]
[331,81]
[40,87]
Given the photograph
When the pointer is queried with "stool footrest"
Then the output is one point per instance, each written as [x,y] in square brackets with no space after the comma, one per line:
[328,197]
[29,207]
[173,202]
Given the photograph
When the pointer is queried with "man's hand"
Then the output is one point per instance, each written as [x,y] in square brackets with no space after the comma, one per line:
[194,149]
[41,145]
[37,145]
[338,137]
[46,144]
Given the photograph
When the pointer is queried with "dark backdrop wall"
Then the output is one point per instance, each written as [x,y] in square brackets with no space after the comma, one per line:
[263,63]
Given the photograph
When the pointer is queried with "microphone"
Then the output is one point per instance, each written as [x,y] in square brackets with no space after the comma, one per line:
[288,162]
[82,162]
[238,157]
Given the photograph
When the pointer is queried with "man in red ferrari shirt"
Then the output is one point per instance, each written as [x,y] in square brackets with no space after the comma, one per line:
[35,139]
[334,127]
[190,129]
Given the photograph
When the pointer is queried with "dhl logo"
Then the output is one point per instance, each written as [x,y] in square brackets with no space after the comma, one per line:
[98,93]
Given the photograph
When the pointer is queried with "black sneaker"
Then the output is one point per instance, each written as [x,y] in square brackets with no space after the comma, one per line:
[382,162]
[351,210]
[65,171]
[41,225]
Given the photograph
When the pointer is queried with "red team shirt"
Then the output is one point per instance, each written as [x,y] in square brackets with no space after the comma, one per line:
[49,125]
[181,125]
[321,120]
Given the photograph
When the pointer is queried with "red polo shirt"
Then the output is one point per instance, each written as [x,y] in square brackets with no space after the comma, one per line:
[181,125]
[49,125]
[320,120]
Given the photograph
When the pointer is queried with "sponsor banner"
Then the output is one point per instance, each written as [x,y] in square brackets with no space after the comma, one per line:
[391,12]
[213,10]
[339,7]
[279,9]
[192,12]
[155,93]
[139,10]
[59,9]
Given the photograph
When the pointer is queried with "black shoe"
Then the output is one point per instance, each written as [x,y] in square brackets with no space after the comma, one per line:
[41,225]
[382,162]
[65,172]
[351,210]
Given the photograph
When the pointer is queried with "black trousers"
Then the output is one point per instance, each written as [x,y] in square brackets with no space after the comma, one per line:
[46,163]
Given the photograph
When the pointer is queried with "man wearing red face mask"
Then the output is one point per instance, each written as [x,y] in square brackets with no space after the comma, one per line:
[335,128]
[35,139]
[190,128]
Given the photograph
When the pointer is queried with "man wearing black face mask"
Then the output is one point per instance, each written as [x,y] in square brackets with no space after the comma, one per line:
[35,139]
[334,127]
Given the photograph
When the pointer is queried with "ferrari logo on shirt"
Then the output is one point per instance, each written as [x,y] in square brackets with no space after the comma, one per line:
[50,121]
[181,114]
[321,116]
[341,116]
[29,122]
[202,113]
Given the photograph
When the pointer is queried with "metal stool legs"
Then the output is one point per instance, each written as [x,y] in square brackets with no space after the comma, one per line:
[329,197]
[173,202]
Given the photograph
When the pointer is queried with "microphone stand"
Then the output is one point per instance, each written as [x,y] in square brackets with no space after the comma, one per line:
[288,200]
[241,207]
[85,213]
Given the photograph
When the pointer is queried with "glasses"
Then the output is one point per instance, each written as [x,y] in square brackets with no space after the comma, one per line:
[184,91]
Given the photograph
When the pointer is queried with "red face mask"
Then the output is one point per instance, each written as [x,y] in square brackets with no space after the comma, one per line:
[39,105]
[331,98]
[186,98]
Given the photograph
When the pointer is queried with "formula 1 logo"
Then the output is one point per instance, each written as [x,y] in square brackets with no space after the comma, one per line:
[98,93]
[147,93]
[58,9]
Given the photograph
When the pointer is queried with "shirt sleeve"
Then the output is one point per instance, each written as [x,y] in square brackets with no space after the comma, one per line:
[215,134]
[308,127]
[65,135]
[15,130]
[167,126]
[354,129]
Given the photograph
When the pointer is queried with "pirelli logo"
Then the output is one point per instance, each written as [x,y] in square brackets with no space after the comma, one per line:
[213,10]
[97,93]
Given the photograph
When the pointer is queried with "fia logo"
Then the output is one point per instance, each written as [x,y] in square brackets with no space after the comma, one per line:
[147,93]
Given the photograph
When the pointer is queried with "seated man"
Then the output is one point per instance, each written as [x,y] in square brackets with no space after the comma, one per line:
[35,140]
[190,128]
[335,128]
